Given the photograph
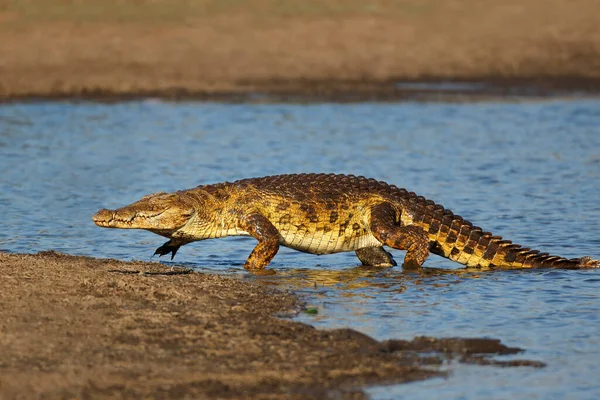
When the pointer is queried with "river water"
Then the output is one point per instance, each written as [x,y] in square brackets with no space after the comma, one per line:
[529,171]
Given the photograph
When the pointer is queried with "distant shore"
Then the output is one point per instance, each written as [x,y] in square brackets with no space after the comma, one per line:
[342,50]
[80,327]
[343,92]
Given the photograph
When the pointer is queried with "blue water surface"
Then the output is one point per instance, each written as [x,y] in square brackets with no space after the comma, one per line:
[527,171]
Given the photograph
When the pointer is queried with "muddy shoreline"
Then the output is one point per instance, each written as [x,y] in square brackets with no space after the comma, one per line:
[84,327]
[430,90]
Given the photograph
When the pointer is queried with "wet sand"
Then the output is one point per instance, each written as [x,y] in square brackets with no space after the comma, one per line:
[305,50]
[79,327]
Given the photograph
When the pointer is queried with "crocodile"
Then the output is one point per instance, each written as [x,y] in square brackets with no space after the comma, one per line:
[324,214]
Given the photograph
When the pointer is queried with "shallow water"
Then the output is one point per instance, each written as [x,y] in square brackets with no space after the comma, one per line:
[526,171]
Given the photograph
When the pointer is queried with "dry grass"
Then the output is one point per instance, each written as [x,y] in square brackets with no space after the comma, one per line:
[119,46]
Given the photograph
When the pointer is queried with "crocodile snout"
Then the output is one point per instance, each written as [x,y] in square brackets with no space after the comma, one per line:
[103,217]
[126,218]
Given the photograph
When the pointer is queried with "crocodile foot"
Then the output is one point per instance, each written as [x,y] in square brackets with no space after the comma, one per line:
[587,262]
[167,248]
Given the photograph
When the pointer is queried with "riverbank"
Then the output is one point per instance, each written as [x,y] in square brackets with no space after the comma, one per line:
[298,50]
[81,327]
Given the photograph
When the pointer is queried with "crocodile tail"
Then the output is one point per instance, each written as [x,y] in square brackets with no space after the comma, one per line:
[461,241]
[455,238]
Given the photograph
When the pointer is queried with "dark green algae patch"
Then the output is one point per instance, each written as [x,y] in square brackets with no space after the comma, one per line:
[86,327]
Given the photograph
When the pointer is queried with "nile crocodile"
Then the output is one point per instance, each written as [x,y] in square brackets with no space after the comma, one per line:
[323,214]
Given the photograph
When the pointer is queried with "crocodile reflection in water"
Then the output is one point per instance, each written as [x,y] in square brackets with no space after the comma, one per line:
[350,281]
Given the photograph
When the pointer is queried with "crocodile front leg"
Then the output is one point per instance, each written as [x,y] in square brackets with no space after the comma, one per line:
[411,238]
[375,257]
[169,247]
[268,241]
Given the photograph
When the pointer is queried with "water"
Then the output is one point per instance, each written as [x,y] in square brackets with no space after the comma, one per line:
[527,171]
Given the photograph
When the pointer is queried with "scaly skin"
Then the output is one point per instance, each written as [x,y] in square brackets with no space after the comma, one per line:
[323,214]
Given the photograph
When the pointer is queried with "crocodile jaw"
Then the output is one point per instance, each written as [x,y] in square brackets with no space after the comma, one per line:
[160,213]
[127,218]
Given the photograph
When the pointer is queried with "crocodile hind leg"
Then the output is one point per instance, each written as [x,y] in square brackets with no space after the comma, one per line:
[268,241]
[375,257]
[411,238]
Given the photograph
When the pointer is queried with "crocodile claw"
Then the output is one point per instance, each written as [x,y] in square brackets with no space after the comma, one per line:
[166,249]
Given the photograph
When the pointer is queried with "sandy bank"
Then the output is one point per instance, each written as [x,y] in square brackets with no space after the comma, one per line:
[92,328]
[335,50]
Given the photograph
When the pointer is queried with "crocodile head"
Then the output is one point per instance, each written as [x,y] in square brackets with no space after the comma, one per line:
[161,213]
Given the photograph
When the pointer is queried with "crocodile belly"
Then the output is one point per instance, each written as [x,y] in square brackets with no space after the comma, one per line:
[327,242]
